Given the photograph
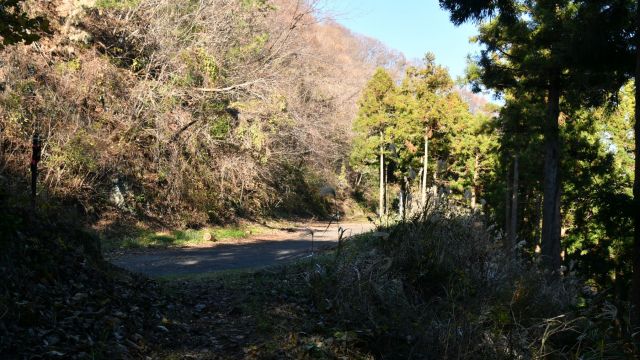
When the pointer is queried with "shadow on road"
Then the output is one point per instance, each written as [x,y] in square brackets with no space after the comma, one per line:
[222,257]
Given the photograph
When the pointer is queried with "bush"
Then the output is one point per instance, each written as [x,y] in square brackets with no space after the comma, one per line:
[442,286]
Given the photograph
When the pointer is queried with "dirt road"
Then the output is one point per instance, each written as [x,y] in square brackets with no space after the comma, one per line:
[275,248]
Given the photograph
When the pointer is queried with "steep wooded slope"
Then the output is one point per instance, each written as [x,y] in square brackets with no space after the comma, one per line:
[186,112]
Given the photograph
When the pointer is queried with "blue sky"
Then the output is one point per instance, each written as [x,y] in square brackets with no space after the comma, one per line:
[410,26]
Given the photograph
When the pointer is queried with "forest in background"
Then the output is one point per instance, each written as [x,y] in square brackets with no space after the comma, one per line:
[553,167]
[491,161]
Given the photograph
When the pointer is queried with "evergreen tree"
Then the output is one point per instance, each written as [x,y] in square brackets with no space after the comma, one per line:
[376,108]
[541,46]
[425,90]
[473,154]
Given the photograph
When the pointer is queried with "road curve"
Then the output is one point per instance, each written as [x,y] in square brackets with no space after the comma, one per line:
[283,246]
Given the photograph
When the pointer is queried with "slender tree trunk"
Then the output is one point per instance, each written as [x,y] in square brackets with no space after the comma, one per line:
[421,177]
[382,185]
[434,187]
[474,185]
[425,162]
[242,194]
[552,186]
[386,188]
[408,198]
[635,283]
[538,232]
[514,204]
[401,207]
[358,180]
[507,209]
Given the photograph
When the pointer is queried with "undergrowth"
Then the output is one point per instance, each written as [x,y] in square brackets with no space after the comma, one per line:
[441,285]
[437,286]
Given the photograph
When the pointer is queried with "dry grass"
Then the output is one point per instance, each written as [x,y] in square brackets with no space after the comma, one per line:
[442,286]
[205,111]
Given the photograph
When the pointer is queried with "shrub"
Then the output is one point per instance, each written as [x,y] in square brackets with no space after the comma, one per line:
[442,286]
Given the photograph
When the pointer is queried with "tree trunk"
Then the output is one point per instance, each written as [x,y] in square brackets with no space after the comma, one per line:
[386,188]
[474,184]
[635,283]
[425,162]
[401,207]
[507,209]
[552,186]
[382,187]
[537,234]
[421,177]
[434,187]
[358,180]
[408,198]
[514,204]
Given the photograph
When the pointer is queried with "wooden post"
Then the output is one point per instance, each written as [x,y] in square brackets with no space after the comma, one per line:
[36,150]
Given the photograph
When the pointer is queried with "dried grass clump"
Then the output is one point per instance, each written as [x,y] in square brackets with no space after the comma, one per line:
[442,286]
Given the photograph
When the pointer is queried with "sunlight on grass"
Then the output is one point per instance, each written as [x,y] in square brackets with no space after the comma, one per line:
[177,238]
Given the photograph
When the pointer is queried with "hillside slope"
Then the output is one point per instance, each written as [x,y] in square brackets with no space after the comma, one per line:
[188,113]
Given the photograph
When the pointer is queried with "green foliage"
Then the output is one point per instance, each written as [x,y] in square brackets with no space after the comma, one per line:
[473,153]
[220,127]
[117,4]
[424,105]
[143,238]
[201,68]
[534,44]
[72,65]
[599,189]
[78,155]
[597,186]
[250,49]
[375,115]
[540,54]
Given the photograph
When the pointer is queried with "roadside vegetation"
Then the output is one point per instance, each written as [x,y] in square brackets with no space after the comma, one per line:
[436,286]
[206,236]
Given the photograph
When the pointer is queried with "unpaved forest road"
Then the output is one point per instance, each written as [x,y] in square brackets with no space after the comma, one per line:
[262,250]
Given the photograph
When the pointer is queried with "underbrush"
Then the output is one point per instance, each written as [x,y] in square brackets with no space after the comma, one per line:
[441,286]
[118,97]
